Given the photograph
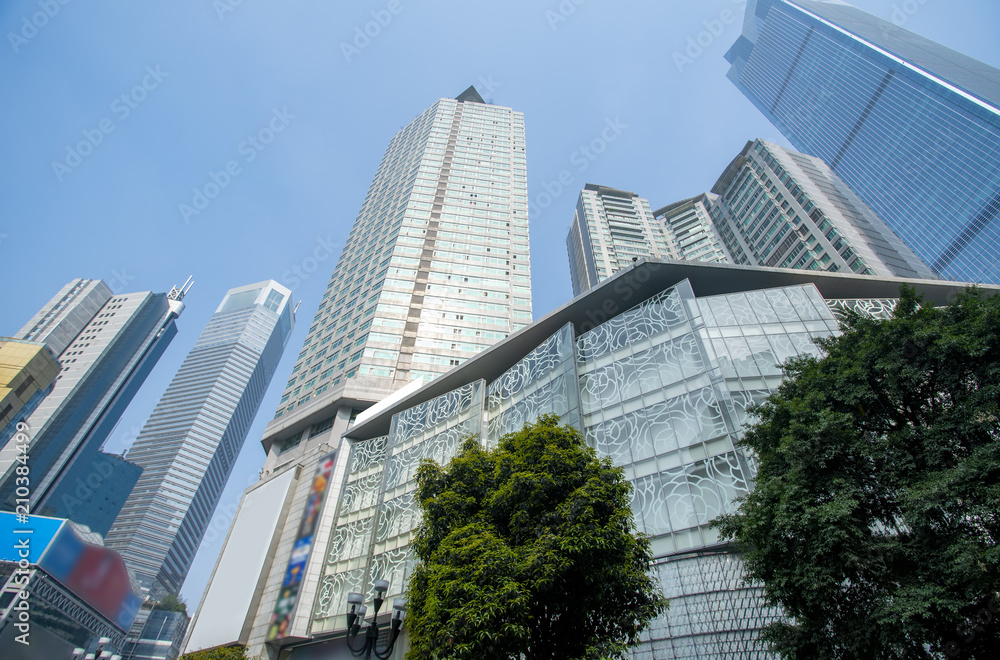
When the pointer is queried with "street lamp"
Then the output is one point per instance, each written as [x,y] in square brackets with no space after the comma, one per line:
[356,617]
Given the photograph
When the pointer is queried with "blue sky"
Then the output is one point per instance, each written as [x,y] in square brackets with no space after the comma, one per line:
[165,95]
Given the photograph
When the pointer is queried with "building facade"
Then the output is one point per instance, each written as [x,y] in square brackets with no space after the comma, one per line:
[911,126]
[107,344]
[689,223]
[27,373]
[611,229]
[776,207]
[656,366]
[188,445]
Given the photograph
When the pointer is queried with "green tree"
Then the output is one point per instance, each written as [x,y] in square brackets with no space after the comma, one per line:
[218,653]
[172,603]
[528,550]
[874,517]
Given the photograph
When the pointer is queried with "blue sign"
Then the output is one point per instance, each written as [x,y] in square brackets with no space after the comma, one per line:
[36,533]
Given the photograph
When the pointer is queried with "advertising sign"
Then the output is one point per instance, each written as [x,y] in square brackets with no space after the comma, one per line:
[289,594]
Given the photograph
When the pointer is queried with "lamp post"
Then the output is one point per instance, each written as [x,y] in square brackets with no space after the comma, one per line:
[356,617]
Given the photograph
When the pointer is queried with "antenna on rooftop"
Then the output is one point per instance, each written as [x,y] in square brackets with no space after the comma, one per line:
[178,293]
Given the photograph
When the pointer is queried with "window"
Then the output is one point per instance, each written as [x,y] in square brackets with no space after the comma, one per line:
[291,442]
[322,427]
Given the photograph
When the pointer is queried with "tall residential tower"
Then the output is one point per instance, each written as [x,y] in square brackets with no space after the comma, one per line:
[436,266]
[911,126]
[611,229]
[689,223]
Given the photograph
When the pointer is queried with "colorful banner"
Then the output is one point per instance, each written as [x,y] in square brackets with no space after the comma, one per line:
[289,595]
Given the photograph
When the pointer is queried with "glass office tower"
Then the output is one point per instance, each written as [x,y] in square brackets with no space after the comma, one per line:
[436,266]
[911,126]
[189,444]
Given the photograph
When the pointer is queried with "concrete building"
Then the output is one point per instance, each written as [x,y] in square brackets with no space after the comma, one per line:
[611,228]
[188,445]
[435,270]
[656,366]
[107,344]
[911,126]
[776,207]
[690,225]
[27,373]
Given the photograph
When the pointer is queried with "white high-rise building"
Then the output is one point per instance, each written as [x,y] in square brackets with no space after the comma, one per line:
[436,266]
[435,270]
[611,229]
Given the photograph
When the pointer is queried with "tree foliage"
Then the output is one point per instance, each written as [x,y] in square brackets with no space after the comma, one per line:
[874,518]
[218,653]
[171,603]
[528,550]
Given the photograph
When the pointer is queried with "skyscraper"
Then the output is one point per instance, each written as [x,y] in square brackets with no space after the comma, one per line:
[610,229]
[689,223]
[107,344]
[776,207]
[911,126]
[436,266]
[435,270]
[191,440]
